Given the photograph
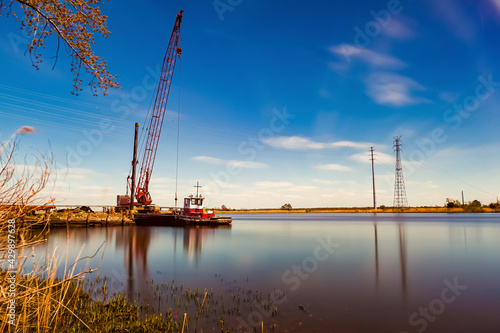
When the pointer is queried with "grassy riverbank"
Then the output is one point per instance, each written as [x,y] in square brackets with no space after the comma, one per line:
[366,210]
[51,305]
[47,304]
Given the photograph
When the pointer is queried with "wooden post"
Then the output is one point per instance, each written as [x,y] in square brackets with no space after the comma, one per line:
[134,163]
[87,222]
[107,217]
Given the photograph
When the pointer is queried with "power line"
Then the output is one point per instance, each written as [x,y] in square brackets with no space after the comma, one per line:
[67,127]
[39,104]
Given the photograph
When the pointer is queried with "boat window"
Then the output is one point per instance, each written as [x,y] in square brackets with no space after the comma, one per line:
[193,201]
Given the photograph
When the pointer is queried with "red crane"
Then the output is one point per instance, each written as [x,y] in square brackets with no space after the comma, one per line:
[155,124]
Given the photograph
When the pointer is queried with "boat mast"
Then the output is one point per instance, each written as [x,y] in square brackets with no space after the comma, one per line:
[198,186]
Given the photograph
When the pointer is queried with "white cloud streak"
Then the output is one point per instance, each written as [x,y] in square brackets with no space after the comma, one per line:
[302,143]
[399,30]
[367,56]
[454,16]
[496,3]
[283,186]
[268,184]
[231,163]
[334,167]
[393,89]
[380,158]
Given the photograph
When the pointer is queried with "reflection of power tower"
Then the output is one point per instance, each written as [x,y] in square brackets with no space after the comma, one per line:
[399,183]
[373,179]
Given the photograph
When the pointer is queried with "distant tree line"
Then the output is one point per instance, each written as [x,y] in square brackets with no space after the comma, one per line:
[474,205]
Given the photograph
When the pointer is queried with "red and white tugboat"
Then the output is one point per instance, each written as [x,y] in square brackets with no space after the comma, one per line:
[194,213]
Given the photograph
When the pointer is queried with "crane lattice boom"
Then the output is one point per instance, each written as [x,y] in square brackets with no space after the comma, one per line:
[142,194]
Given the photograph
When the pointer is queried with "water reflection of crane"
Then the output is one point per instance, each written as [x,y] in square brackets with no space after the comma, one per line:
[136,251]
[136,242]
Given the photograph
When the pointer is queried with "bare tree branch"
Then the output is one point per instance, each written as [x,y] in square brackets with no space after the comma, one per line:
[75,22]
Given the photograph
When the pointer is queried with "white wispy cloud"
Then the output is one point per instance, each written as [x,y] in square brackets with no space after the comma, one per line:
[393,89]
[399,30]
[269,184]
[454,16]
[496,4]
[208,159]
[77,186]
[334,167]
[247,164]
[332,182]
[350,51]
[380,158]
[386,88]
[231,163]
[302,143]
[95,188]
[283,186]
[424,185]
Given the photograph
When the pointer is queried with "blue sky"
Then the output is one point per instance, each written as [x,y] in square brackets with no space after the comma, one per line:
[279,102]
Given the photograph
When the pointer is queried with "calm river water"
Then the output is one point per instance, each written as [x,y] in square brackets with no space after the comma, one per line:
[321,272]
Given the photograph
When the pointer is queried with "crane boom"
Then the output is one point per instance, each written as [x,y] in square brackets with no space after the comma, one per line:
[155,124]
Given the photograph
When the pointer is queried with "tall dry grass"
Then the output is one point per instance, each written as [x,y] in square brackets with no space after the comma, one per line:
[43,302]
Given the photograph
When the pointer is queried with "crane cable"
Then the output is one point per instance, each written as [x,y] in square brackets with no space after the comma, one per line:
[178,127]
[144,131]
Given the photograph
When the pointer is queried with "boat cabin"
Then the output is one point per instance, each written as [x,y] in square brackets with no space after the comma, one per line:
[193,206]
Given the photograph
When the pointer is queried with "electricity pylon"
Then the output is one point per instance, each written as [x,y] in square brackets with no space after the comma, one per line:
[399,182]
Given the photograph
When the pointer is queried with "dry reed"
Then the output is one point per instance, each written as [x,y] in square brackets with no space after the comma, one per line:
[42,301]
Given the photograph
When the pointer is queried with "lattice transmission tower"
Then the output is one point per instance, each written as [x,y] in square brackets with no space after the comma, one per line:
[399,182]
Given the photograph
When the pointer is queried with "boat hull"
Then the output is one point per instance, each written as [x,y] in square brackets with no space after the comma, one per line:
[176,220]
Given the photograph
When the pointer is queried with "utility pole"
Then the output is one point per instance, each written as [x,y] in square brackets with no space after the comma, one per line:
[400,199]
[373,179]
[134,163]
